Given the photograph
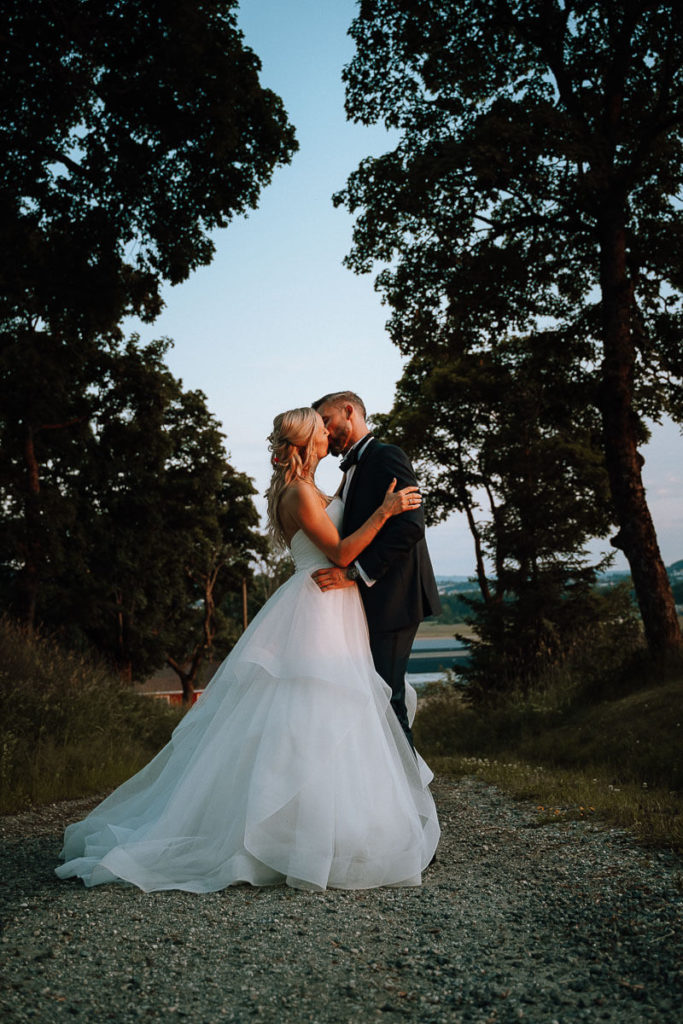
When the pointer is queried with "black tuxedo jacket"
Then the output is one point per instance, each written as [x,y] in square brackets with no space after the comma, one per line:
[405,591]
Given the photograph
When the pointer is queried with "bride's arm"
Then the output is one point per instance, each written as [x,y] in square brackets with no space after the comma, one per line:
[303,505]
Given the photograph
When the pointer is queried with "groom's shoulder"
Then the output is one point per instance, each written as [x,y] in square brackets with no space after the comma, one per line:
[386,450]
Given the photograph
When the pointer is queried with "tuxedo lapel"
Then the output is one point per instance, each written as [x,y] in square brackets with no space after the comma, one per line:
[361,467]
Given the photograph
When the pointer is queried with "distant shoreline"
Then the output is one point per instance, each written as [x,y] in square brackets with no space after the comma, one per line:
[449,629]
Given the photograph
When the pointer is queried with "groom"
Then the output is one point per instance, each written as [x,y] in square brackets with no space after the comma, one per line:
[394,573]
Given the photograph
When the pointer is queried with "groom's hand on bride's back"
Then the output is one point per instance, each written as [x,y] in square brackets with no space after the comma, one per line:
[332,578]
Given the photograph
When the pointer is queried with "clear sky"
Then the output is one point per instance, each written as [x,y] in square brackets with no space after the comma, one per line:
[276,320]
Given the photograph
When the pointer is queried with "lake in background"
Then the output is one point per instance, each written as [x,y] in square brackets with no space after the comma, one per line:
[432,656]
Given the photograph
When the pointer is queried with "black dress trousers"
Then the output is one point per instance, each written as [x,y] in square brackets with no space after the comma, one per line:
[390,653]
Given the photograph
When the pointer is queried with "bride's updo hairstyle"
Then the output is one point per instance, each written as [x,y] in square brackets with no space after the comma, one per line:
[291,445]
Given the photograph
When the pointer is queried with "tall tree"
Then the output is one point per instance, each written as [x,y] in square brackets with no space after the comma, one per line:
[148,522]
[536,186]
[224,545]
[506,434]
[130,130]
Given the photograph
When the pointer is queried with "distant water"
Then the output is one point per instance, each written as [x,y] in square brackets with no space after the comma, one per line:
[421,679]
[437,643]
[432,657]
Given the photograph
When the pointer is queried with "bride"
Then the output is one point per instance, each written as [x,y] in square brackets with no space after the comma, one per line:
[291,767]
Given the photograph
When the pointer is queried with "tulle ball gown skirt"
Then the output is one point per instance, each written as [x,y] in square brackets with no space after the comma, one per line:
[290,768]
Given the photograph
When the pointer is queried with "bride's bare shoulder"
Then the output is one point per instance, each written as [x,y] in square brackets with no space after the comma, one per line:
[300,494]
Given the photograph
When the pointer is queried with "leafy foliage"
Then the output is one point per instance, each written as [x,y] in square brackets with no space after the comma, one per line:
[560,626]
[506,435]
[131,131]
[144,506]
[533,194]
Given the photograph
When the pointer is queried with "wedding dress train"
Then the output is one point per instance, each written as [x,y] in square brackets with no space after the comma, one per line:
[291,767]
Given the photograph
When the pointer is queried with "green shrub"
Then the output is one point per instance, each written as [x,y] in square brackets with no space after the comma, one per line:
[568,642]
[571,749]
[68,728]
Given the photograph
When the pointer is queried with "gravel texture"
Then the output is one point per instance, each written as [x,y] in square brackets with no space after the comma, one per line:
[515,921]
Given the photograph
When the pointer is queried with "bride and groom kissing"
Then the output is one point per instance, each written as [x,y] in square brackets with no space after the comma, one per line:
[394,573]
[297,763]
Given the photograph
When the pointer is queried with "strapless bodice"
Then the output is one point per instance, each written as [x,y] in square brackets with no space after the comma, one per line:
[307,557]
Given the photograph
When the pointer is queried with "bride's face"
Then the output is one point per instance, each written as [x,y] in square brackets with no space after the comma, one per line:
[321,439]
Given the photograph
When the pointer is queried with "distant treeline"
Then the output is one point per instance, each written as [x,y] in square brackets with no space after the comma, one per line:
[455,607]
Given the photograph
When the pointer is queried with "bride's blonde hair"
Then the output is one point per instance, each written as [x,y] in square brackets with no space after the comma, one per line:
[291,446]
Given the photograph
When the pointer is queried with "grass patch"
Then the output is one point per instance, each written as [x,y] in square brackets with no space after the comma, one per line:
[68,728]
[618,760]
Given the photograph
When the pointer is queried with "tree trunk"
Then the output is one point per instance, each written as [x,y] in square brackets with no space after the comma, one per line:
[636,537]
[123,660]
[30,573]
[467,506]
[210,609]
[189,676]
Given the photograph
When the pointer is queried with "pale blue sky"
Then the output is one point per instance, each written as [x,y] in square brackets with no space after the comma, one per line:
[276,321]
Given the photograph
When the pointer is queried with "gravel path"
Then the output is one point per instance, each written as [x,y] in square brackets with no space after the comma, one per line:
[516,921]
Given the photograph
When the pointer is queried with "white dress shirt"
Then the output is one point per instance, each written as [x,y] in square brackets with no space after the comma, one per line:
[361,445]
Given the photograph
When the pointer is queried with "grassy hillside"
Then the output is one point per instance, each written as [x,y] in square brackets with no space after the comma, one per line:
[619,759]
[68,728]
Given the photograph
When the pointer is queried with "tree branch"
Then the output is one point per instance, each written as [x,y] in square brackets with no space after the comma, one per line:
[60,426]
[62,158]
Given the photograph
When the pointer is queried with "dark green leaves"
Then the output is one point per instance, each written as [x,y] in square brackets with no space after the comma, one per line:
[130,131]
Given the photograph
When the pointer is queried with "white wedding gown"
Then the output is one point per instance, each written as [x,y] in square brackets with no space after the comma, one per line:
[291,767]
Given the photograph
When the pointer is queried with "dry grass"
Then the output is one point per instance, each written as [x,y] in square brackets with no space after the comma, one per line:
[68,728]
[618,760]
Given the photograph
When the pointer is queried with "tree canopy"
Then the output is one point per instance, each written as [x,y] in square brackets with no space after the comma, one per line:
[143,520]
[131,130]
[508,436]
[535,190]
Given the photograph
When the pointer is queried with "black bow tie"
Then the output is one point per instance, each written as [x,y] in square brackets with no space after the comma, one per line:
[350,459]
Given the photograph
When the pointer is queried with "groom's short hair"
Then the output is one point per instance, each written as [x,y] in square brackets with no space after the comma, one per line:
[342,398]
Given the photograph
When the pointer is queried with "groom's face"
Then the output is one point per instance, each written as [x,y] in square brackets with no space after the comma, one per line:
[337,420]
